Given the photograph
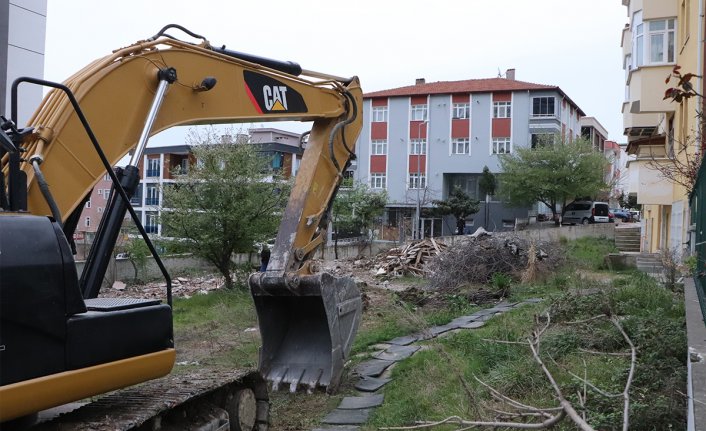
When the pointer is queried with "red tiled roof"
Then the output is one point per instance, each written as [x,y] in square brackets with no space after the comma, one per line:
[468,86]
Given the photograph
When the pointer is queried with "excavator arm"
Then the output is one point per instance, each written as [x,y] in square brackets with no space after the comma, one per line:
[162,82]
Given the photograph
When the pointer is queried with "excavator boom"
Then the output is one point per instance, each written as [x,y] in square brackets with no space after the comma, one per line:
[99,115]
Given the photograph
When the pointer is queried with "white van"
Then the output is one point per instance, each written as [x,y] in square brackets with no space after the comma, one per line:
[585,212]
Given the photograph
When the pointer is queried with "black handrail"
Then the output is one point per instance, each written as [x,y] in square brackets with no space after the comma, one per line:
[104,160]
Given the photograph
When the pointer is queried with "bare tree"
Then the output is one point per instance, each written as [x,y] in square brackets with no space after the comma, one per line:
[519,415]
[682,161]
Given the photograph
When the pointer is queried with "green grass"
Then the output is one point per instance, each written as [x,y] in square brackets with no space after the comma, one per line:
[211,329]
[233,306]
[440,381]
[589,252]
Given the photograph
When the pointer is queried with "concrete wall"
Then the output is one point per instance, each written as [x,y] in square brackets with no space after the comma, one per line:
[122,269]
[553,233]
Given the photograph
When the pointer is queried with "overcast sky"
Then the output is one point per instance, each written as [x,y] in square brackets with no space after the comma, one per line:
[388,44]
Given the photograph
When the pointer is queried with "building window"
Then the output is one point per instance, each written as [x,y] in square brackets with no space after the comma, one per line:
[88,203]
[502,109]
[378,147]
[87,222]
[137,197]
[153,167]
[417,147]
[653,41]
[661,40]
[460,146]
[543,107]
[99,210]
[461,110]
[417,181]
[183,167]
[277,161]
[152,194]
[418,113]
[106,177]
[151,222]
[378,181]
[639,44]
[105,193]
[502,146]
[540,140]
[380,114]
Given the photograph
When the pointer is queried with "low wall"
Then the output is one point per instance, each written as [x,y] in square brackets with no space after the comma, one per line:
[552,233]
[123,270]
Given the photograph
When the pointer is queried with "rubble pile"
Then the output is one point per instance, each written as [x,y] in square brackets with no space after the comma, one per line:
[410,259]
[182,287]
[474,260]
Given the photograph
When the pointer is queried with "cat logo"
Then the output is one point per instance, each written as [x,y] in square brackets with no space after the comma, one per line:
[270,96]
[275,97]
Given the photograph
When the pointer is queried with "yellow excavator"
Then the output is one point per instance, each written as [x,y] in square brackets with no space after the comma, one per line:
[60,341]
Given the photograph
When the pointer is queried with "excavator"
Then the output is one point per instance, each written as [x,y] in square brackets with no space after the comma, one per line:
[60,342]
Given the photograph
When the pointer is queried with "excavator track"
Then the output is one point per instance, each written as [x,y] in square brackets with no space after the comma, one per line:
[207,400]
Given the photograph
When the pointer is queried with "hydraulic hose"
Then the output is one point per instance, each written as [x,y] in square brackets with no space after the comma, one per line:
[44,187]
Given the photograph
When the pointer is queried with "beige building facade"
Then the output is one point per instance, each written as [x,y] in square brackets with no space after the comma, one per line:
[659,35]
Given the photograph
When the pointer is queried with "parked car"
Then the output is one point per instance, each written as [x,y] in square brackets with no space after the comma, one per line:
[585,212]
[621,214]
[635,215]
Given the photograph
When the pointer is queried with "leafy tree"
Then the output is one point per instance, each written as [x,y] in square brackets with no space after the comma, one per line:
[458,204]
[552,174]
[355,209]
[487,184]
[225,203]
[629,201]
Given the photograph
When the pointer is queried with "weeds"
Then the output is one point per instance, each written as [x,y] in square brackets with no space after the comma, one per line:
[439,382]
[590,252]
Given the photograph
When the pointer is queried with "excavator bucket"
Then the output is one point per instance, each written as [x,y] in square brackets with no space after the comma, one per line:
[307,332]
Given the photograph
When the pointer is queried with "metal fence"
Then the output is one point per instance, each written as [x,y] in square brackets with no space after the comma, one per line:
[698,218]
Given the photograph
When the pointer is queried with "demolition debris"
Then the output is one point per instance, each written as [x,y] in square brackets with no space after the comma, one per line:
[410,259]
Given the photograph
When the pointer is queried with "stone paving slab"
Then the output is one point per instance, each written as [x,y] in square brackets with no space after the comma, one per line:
[473,325]
[347,417]
[483,312]
[364,402]
[397,353]
[438,330]
[533,300]
[506,304]
[371,384]
[373,367]
[404,341]
[502,309]
[483,319]
[462,320]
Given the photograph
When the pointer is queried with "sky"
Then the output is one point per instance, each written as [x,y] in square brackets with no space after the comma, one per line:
[568,43]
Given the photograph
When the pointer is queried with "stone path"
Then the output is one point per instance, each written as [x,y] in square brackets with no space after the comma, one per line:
[355,411]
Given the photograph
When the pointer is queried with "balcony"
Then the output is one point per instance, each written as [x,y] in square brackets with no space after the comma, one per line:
[647,89]
[645,109]
[647,182]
